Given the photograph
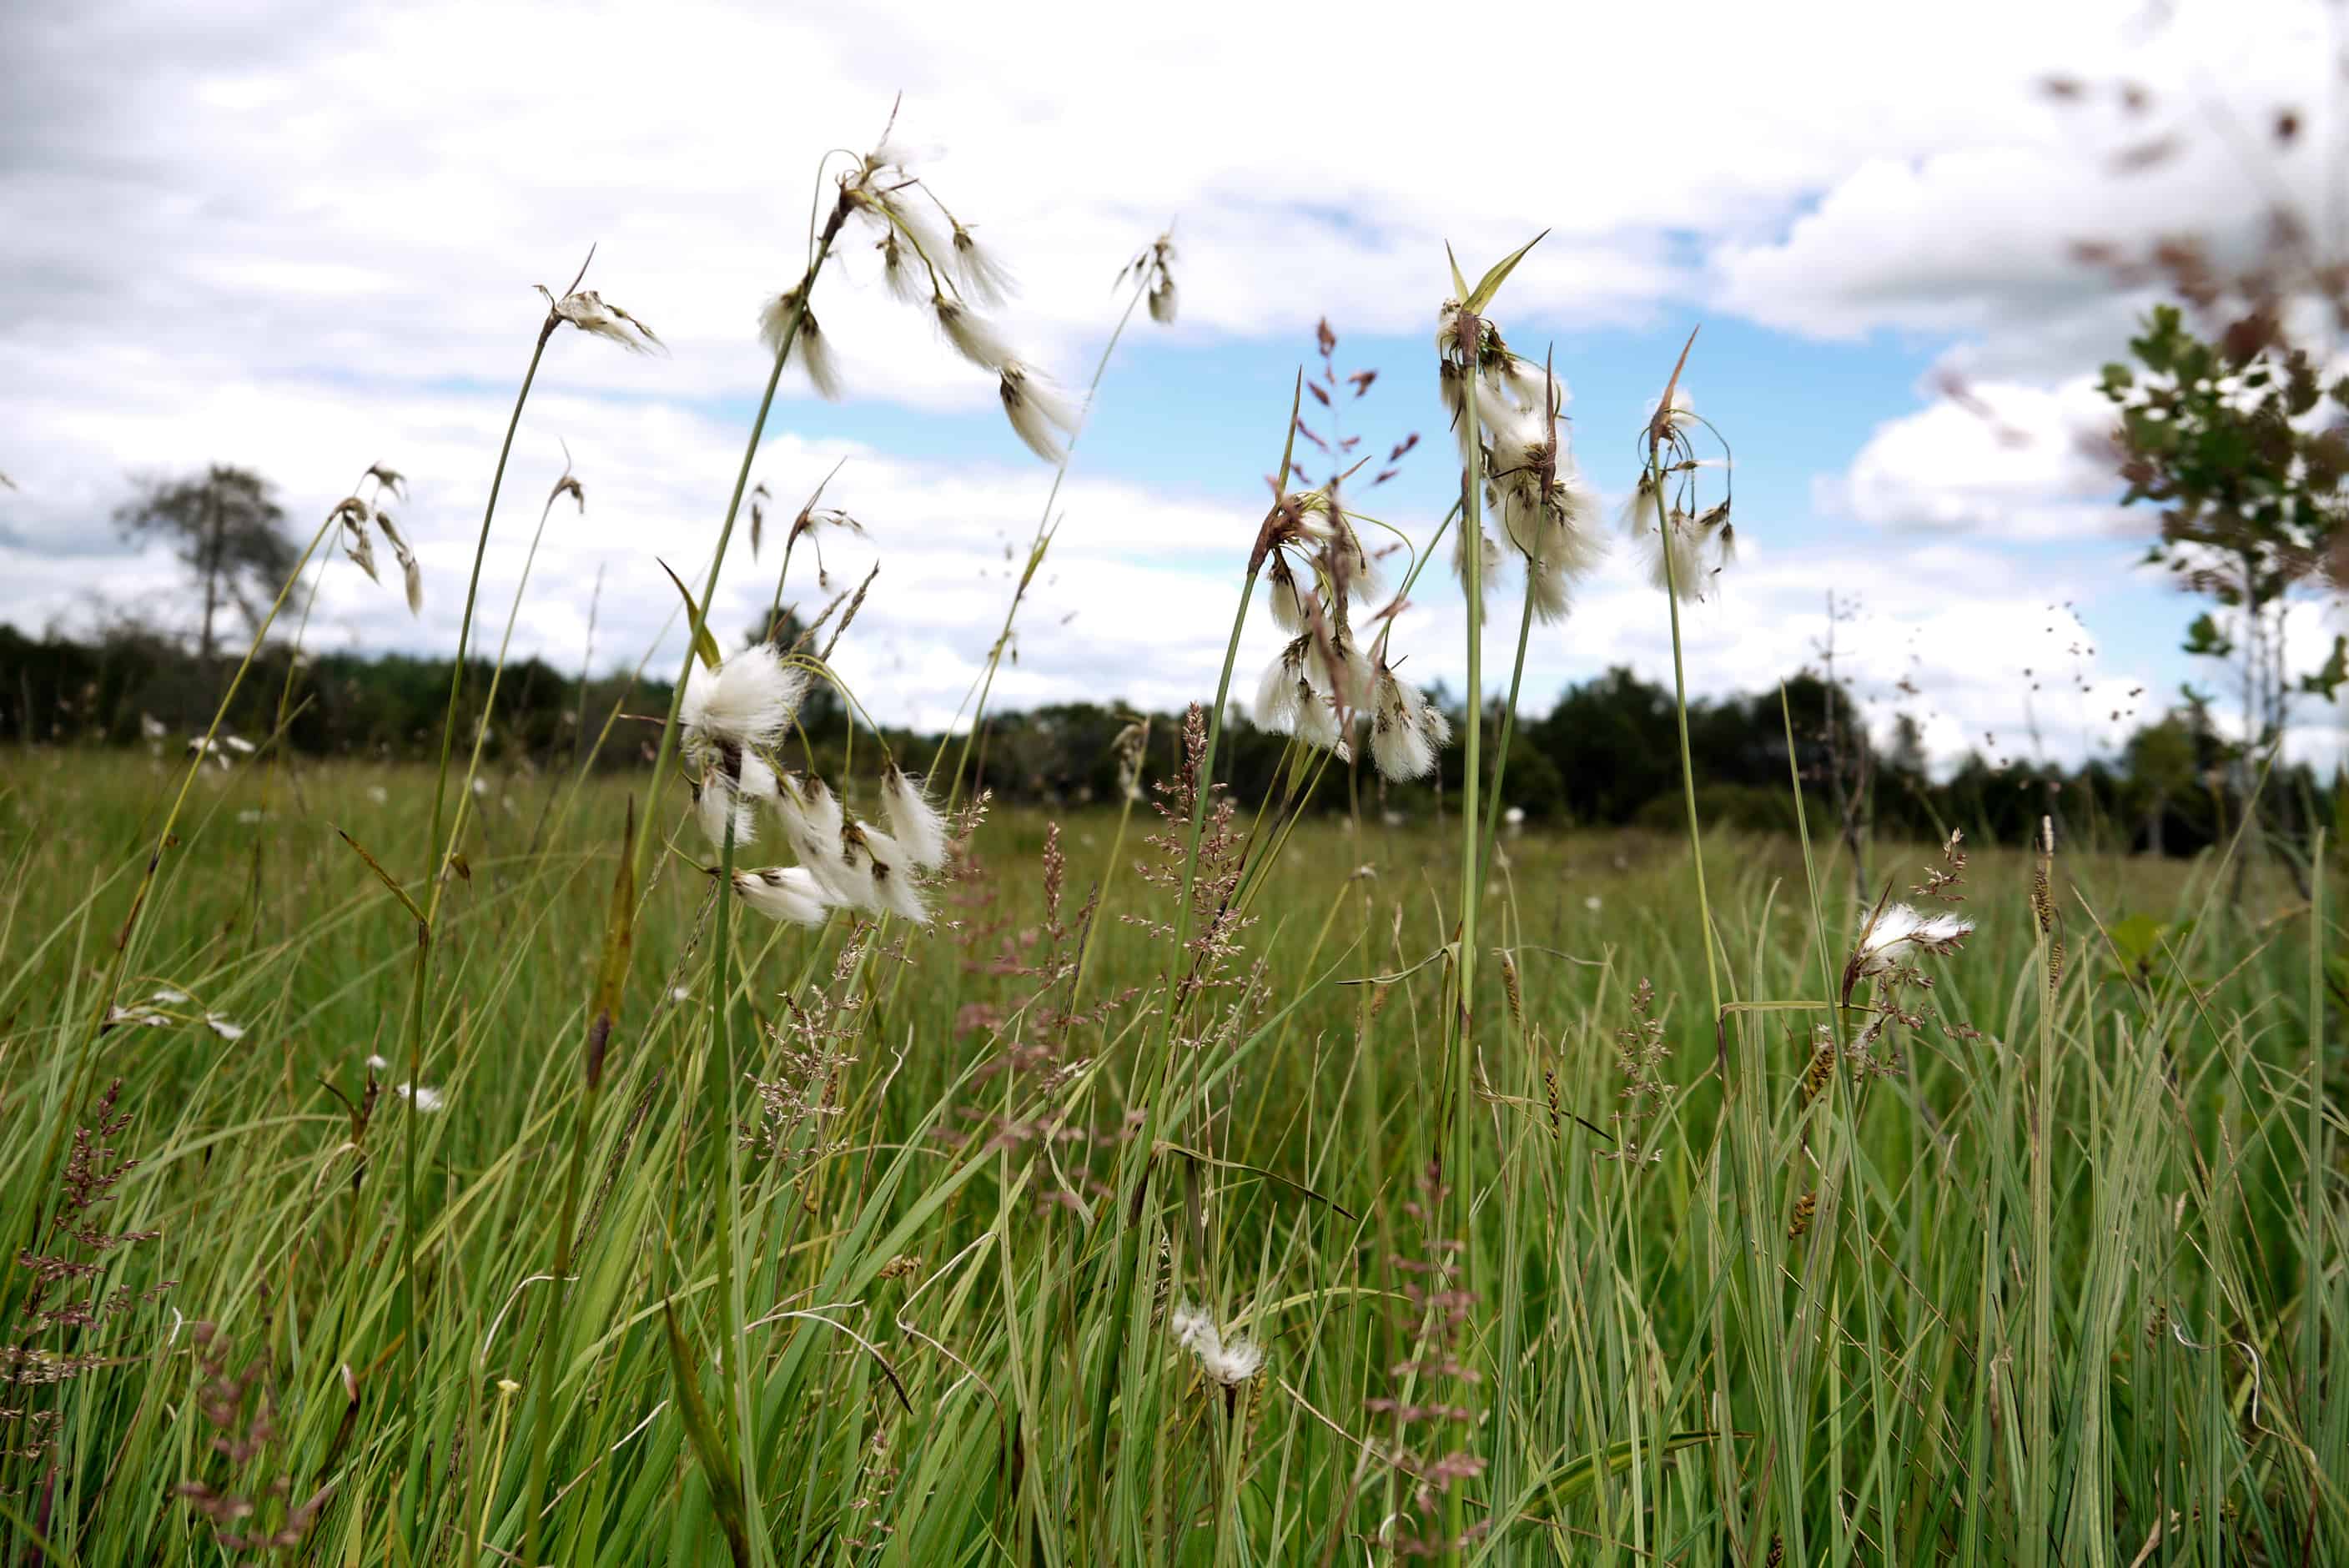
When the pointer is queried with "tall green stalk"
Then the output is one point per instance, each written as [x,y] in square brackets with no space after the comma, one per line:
[1460,1023]
[404,1309]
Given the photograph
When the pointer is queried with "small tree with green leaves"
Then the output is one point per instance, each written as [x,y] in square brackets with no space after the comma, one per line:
[2245,451]
[225,526]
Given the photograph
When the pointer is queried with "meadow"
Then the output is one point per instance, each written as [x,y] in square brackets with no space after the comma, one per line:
[1986,1335]
[436,1164]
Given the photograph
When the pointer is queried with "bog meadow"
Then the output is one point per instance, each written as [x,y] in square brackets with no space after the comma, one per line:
[736,1132]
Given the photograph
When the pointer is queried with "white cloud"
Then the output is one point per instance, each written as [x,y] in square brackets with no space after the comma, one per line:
[1995,458]
[303,239]
[1975,238]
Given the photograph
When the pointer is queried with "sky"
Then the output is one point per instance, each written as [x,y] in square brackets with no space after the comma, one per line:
[303,239]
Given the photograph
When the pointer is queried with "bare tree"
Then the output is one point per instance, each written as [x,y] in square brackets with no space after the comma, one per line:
[225,527]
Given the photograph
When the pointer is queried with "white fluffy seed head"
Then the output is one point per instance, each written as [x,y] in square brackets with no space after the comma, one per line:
[1288,612]
[593,314]
[1228,1362]
[984,278]
[972,336]
[1233,1362]
[1317,722]
[1339,668]
[426,1099]
[1488,561]
[1276,693]
[1899,929]
[896,879]
[788,894]
[746,703]
[1042,415]
[1407,731]
[913,820]
[1398,747]
[1189,1324]
[902,272]
[717,803]
[810,349]
[1533,387]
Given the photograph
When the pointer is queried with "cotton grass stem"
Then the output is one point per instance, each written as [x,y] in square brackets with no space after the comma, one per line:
[1655,476]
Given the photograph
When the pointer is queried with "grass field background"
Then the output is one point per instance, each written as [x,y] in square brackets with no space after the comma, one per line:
[2059,1281]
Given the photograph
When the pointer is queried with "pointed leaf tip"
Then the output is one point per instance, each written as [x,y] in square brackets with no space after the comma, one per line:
[704,645]
[1490,284]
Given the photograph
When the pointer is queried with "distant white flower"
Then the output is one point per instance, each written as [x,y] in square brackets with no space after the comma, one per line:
[237,744]
[147,1016]
[1593,903]
[787,893]
[153,728]
[1514,817]
[426,1099]
[253,814]
[480,789]
[412,573]
[169,996]
[591,314]
[1897,929]
[354,515]
[912,819]
[379,794]
[226,1029]
[685,993]
[1228,1362]
[1040,414]
[377,1064]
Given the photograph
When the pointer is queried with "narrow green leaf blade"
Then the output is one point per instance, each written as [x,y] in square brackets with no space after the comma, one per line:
[704,644]
[1490,284]
[382,875]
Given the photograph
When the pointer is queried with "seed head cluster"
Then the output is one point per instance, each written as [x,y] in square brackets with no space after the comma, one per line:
[731,717]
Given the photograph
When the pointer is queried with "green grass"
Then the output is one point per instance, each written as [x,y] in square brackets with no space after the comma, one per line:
[2071,1291]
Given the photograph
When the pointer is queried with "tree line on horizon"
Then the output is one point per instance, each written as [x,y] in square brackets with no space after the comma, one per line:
[1604,755]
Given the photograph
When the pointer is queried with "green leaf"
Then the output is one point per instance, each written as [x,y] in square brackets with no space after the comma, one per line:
[1459,284]
[383,876]
[2205,638]
[619,937]
[704,644]
[1490,284]
[709,1446]
[1296,401]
